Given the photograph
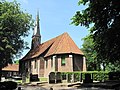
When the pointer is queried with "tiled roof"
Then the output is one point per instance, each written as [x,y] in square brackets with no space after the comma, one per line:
[60,45]
[11,67]
[63,44]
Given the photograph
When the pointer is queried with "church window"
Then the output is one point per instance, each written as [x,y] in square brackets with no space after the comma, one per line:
[63,62]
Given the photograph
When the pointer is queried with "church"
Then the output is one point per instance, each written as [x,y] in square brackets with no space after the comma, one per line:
[59,54]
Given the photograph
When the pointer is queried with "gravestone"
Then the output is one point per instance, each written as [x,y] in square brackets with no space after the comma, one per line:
[52,77]
[88,78]
[34,77]
[58,77]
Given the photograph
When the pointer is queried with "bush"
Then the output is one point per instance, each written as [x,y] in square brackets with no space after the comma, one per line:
[8,85]
[96,75]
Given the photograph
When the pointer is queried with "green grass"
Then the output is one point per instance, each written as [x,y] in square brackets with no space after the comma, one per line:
[18,81]
[27,80]
[43,79]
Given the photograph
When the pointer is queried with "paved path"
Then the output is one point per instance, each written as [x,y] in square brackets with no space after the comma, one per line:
[45,88]
[59,88]
[32,88]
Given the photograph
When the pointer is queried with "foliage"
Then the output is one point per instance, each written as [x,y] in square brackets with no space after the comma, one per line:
[14,24]
[97,75]
[16,61]
[92,62]
[8,85]
[90,53]
[105,14]
[112,67]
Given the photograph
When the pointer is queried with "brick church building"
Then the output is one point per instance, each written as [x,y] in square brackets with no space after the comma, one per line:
[59,54]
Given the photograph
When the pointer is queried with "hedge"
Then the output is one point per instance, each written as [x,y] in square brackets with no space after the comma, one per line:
[96,75]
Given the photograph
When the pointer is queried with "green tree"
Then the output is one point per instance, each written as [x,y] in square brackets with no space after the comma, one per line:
[14,25]
[90,53]
[105,15]
[92,62]
[16,61]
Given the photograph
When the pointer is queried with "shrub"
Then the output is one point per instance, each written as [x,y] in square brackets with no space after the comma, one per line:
[96,75]
[8,85]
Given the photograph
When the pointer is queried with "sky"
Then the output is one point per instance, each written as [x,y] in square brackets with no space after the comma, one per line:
[55,18]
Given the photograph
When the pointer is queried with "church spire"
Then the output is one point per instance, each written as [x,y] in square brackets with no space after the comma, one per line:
[36,38]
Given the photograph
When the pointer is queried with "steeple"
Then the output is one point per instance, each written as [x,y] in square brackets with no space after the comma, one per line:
[36,38]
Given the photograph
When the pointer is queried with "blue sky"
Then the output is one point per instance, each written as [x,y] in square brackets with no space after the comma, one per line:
[55,18]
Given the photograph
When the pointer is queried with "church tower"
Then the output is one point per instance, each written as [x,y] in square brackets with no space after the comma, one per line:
[36,38]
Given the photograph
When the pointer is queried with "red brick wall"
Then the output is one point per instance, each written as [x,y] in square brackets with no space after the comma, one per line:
[68,67]
[34,70]
[39,67]
[77,63]
[73,63]
[57,64]
[48,69]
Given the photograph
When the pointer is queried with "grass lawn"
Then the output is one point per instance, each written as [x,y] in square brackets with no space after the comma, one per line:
[43,79]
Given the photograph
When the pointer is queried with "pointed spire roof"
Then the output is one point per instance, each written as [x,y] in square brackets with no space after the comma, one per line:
[62,44]
[36,31]
[36,38]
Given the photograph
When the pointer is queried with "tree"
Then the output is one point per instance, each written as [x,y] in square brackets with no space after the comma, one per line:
[16,61]
[93,63]
[90,53]
[105,15]
[14,24]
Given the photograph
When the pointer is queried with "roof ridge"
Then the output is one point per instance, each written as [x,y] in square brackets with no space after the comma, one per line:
[59,42]
[52,38]
[68,42]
